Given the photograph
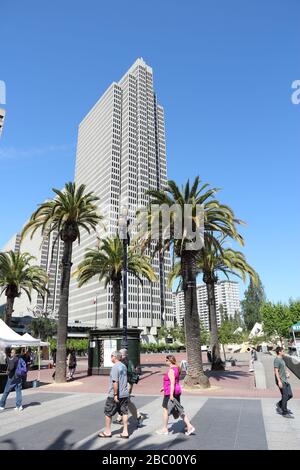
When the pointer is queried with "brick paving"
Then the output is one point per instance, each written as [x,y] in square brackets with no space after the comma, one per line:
[233,382]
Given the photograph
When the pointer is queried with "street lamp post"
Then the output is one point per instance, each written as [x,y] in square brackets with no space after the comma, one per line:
[96,302]
[123,233]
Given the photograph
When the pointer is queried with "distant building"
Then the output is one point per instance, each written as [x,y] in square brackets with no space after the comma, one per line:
[227,302]
[178,307]
[47,257]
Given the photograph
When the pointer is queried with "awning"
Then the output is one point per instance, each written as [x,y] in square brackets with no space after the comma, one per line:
[296,327]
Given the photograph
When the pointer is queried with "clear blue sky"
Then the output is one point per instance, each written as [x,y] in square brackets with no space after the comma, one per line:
[222,70]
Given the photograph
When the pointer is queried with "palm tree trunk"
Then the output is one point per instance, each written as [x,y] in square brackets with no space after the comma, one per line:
[195,377]
[9,310]
[63,313]
[224,352]
[116,291]
[216,361]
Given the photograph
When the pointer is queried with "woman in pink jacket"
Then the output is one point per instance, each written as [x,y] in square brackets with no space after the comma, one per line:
[172,389]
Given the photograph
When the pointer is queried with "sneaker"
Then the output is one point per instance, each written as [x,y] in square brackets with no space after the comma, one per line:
[287,415]
[1,408]
[162,433]
[139,421]
[20,408]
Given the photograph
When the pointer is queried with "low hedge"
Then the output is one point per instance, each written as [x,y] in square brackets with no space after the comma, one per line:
[161,347]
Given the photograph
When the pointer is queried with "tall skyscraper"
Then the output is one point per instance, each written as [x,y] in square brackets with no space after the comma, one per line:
[227,301]
[121,153]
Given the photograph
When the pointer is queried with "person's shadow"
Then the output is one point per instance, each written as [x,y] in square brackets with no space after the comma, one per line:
[32,403]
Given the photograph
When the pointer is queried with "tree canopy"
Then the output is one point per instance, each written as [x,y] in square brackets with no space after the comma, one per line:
[278,318]
[253,301]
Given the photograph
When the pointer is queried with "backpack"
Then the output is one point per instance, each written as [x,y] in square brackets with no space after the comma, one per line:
[21,369]
[132,376]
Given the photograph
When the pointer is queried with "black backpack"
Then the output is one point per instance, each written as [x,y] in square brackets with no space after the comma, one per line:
[132,376]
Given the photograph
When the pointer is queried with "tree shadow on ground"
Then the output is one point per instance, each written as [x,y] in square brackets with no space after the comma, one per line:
[134,442]
[60,442]
[10,442]
[147,373]
[226,374]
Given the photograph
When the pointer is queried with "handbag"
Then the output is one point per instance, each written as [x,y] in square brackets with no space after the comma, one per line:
[175,408]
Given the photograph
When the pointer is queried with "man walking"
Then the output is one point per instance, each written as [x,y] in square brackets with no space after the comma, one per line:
[118,396]
[13,381]
[131,406]
[281,377]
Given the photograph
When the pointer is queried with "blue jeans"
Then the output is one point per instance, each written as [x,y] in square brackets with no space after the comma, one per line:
[10,385]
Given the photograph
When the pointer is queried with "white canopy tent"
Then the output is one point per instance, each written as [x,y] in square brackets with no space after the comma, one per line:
[33,341]
[9,337]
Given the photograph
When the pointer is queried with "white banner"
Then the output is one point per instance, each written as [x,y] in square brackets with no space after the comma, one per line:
[109,346]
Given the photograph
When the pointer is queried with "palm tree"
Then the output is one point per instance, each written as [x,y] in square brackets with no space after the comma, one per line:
[17,275]
[43,327]
[70,211]
[216,218]
[106,261]
[211,261]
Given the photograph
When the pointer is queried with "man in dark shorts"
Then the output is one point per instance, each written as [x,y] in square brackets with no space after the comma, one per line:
[118,397]
[281,379]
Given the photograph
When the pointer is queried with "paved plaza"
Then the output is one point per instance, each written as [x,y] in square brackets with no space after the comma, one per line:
[233,414]
[71,421]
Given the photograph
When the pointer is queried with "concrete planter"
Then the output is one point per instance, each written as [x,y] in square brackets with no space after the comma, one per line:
[293,363]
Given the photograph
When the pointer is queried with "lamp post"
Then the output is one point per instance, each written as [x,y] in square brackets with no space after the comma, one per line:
[123,234]
[96,302]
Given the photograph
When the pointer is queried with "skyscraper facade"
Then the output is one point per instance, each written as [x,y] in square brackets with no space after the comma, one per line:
[227,302]
[48,256]
[121,154]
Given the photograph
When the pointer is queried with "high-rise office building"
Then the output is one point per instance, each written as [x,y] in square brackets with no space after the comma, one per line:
[121,153]
[178,307]
[228,296]
[227,302]
[47,257]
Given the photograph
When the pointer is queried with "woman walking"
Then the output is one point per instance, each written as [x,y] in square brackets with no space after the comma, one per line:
[172,389]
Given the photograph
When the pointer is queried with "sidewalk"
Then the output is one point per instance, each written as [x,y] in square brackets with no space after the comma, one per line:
[230,415]
[72,421]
